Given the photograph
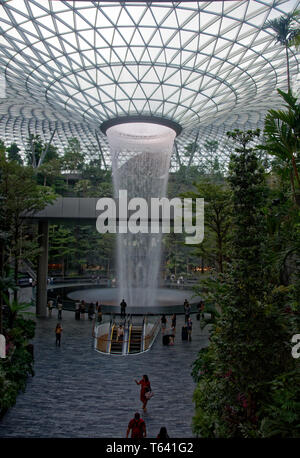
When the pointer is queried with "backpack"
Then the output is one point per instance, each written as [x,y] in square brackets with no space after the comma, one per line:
[137,429]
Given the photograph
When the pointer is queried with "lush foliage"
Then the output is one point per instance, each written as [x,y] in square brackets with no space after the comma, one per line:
[18,365]
[250,345]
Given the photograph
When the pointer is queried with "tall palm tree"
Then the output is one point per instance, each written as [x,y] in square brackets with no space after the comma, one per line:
[282,136]
[287,34]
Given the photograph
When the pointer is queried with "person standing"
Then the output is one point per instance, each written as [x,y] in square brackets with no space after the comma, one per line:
[163,434]
[120,333]
[163,321]
[137,427]
[91,311]
[77,311]
[82,310]
[145,387]
[58,300]
[50,307]
[187,310]
[173,325]
[59,309]
[123,308]
[189,329]
[99,316]
[58,331]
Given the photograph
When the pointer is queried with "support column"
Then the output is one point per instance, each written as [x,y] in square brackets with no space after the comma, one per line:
[42,270]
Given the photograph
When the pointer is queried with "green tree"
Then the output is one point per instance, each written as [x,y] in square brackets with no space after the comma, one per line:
[248,346]
[2,149]
[287,34]
[83,188]
[99,180]
[282,136]
[73,158]
[105,244]
[37,150]
[61,245]
[21,194]
[217,214]
[13,153]
[182,180]
[212,164]
[49,171]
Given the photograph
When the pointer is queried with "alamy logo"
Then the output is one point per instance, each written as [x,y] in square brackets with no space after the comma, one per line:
[138,216]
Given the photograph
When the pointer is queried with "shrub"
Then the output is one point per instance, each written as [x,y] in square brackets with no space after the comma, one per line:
[15,369]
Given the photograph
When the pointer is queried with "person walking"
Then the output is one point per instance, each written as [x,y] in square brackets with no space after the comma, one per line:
[123,308]
[189,329]
[145,388]
[58,331]
[137,426]
[59,310]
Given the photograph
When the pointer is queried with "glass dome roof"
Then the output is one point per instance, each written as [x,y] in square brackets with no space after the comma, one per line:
[69,66]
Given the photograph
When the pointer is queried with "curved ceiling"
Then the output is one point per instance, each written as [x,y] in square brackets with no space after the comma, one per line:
[71,65]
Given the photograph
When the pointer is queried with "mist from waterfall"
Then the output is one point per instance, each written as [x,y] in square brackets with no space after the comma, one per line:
[140,155]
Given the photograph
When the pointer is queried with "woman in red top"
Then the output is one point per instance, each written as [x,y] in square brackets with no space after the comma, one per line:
[145,387]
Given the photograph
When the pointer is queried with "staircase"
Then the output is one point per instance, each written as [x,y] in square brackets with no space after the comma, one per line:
[116,346]
[27,267]
[135,343]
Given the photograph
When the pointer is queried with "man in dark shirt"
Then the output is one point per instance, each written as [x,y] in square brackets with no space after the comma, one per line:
[123,307]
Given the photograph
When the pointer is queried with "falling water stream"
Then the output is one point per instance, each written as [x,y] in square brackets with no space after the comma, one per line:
[140,155]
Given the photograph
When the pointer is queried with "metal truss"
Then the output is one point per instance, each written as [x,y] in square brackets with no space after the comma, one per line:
[208,66]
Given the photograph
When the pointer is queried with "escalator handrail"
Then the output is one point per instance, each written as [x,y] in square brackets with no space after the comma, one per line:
[111,334]
[143,334]
[129,337]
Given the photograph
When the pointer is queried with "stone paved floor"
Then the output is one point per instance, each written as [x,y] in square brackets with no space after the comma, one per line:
[78,393]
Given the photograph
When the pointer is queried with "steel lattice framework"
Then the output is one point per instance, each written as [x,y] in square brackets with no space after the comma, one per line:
[68,66]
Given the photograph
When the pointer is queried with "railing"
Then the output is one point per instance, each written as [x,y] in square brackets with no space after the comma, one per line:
[103,342]
[143,333]
[129,337]
[111,334]
[152,335]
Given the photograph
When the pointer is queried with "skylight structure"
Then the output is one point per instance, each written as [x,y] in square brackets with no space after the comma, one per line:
[69,66]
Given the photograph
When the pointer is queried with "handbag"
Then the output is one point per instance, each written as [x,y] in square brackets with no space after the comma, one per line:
[149,394]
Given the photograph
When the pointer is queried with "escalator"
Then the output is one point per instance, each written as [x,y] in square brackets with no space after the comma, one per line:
[116,345]
[135,339]
[138,336]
